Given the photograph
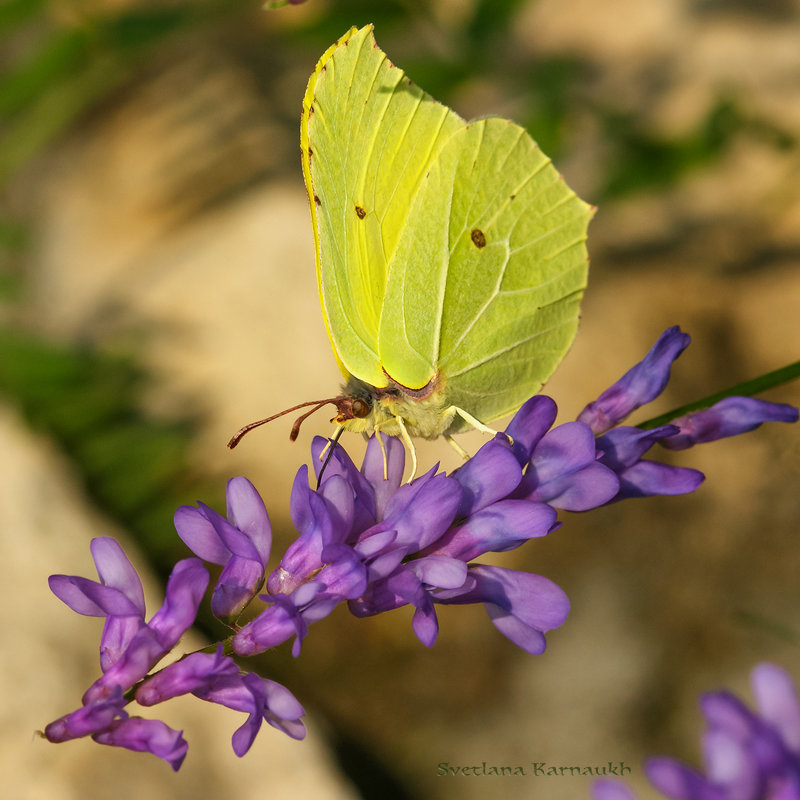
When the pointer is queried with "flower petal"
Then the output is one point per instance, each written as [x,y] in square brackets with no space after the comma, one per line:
[422,511]
[777,700]
[609,789]
[373,465]
[639,385]
[499,527]
[147,736]
[649,478]
[115,570]
[192,672]
[679,781]
[247,512]
[534,418]
[185,588]
[90,598]
[90,718]
[199,535]
[491,474]
[521,605]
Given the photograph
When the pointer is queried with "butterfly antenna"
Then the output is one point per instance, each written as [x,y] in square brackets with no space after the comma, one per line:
[237,437]
[332,441]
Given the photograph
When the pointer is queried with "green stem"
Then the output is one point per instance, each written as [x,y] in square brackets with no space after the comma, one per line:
[747,389]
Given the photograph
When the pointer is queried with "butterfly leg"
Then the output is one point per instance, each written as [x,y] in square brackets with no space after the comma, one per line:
[325,449]
[477,424]
[457,447]
[383,451]
[410,445]
[331,440]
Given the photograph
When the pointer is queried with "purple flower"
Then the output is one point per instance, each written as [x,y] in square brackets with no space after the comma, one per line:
[748,755]
[621,448]
[194,671]
[89,719]
[639,385]
[367,539]
[216,678]
[381,544]
[290,615]
[241,543]
[185,588]
[521,605]
[564,471]
[146,736]
[129,648]
[118,597]
[728,417]
[263,701]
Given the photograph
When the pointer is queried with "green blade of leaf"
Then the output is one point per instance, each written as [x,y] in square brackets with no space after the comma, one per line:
[747,389]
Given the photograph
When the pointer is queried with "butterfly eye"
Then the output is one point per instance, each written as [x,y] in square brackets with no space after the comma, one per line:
[359,409]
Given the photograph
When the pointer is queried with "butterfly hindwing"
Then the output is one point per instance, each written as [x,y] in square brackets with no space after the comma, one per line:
[486,281]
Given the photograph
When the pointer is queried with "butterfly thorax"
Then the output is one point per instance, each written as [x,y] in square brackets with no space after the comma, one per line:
[364,408]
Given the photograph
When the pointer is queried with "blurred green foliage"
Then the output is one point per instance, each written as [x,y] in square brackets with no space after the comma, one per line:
[134,466]
[61,59]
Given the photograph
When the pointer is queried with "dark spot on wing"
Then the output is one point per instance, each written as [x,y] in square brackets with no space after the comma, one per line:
[317,200]
[360,213]
[478,238]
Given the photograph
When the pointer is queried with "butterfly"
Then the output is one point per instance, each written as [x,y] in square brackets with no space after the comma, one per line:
[451,255]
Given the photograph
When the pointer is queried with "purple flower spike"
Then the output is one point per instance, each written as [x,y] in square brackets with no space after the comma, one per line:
[241,543]
[146,736]
[639,385]
[747,755]
[728,417]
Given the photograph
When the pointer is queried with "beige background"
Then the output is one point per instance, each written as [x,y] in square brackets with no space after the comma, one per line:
[139,246]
